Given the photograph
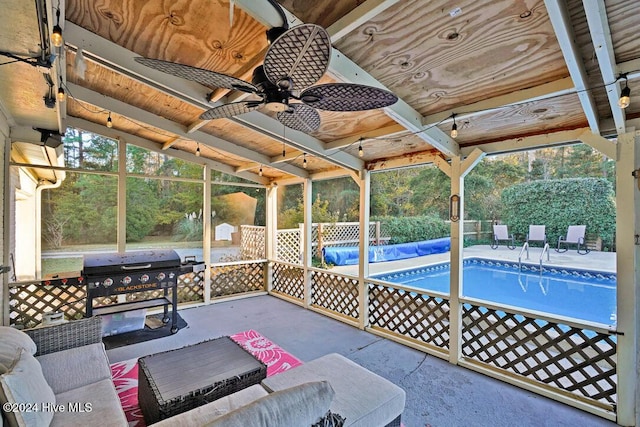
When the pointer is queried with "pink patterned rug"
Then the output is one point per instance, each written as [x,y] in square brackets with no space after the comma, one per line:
[125,374]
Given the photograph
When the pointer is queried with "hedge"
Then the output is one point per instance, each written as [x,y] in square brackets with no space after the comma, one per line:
[412,229]
[560,203]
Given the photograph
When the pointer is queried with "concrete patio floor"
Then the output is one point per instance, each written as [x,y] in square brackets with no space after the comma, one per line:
[438,393]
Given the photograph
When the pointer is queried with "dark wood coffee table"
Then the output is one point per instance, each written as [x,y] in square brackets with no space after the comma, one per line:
[178,380]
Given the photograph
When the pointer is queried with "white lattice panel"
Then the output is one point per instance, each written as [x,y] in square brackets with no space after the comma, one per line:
[252,241]
[288,249]
[579,361]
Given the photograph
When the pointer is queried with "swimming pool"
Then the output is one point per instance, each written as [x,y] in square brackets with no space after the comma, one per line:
[580,294]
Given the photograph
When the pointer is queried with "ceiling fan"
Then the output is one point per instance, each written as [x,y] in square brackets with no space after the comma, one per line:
[295,60]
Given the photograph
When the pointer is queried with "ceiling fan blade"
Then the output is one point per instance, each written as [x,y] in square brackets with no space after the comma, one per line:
[301,53]
[347,97]
[207,78]
[230,110]
[300,117]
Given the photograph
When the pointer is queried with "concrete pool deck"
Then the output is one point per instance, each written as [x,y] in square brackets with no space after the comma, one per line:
[598,261]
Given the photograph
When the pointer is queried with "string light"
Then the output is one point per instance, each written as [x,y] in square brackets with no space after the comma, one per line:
[625,98]
[61,95]
[260,171]
[56,35]
[109,121]
[454,128]
[198,150]
[304,160]
[360,150]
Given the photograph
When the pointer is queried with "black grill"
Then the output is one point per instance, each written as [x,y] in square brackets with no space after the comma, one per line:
[121,273]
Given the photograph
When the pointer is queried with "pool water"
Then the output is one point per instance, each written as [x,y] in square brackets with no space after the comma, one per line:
[580,294]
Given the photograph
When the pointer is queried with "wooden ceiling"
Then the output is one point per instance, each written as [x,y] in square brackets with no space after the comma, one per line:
[509,70]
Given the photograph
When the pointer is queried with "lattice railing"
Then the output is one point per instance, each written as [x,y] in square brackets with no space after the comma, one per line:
[578,360]
[252,241]
[29,301]
[335,292]
[288,280]
[237,278]
[410,313]
[288,246]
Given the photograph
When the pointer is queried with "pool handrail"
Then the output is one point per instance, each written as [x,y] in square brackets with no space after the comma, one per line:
[545,249]
[525,246]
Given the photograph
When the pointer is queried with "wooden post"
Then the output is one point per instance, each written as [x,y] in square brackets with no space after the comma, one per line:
[377,233]
[628,275]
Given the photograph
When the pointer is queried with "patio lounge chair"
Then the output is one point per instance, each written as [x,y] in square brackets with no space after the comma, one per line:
[537,233]
[501,233]
[575,236]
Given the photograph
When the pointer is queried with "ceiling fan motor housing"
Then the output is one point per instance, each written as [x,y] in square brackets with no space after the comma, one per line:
[276,96]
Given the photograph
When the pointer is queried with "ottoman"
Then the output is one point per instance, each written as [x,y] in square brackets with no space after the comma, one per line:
[364,398]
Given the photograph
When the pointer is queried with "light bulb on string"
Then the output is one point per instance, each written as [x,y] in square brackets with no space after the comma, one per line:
[360,150]
[625,96]
[109,121]
[304,160]
[61,95]
[56,34]
[198,150]
[454,128]
[260,171]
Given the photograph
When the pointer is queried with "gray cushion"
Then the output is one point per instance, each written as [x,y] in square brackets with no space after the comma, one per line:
[11,340]
[75,367]
[24,383]
[364,398]
[105,407]
[301,405]
[209,412]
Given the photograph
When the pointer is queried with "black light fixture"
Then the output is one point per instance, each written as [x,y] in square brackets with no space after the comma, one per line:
[625,98]
[49,99]
[454,128]
[109,121]
[56,35]
[61,95]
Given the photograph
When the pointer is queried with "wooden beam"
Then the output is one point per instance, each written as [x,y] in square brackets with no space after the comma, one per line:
[601,35]
[563,27]
[363,13]
[529,142]
[471,161]
[266,125]
[385,132]
[544,91]
[603,145]
[170,142]
[414,159]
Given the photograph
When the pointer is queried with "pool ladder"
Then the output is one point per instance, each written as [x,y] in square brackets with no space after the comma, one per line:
[525,247]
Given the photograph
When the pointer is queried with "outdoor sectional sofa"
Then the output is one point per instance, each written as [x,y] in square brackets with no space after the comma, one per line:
[66,366]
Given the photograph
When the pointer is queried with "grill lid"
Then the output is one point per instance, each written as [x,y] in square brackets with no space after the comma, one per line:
[111,263]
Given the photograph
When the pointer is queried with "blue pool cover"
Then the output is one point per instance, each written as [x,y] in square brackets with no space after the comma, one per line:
[349,255]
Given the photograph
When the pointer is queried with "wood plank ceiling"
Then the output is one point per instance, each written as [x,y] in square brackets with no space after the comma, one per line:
[509,70]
